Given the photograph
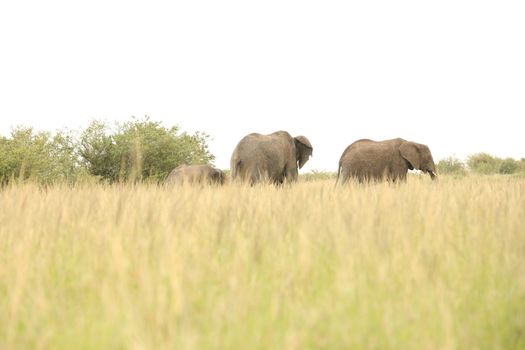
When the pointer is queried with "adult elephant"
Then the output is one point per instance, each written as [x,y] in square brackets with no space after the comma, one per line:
[367,160]
[274,157]
[193,174]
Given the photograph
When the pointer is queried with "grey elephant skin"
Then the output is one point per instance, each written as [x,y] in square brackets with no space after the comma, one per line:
[367,160]
[273,158]
[195,174]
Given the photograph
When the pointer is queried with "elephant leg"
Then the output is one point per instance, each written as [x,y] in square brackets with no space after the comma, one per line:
[292,174]
[253,176]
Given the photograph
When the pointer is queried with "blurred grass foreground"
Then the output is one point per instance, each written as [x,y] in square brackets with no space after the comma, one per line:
[419,265]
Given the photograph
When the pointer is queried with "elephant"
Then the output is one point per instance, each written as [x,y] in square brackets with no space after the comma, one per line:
[274,158]
[367,160]
[196,174]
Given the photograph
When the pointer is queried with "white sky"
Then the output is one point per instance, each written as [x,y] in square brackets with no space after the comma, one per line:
[450,74]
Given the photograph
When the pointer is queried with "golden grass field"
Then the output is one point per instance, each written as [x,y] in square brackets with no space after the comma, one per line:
[419,265]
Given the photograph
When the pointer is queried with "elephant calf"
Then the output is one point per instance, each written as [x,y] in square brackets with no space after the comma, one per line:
[367,160]
[193,174]
[274,157]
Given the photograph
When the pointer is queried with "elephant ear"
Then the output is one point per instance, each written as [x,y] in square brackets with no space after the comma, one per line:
[303,150]
[410,152]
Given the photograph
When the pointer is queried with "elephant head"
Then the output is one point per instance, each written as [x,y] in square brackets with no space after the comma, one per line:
[303,150]
[418,157]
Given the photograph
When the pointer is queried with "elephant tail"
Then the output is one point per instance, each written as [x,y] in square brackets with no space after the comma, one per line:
[235,167]
[338,173]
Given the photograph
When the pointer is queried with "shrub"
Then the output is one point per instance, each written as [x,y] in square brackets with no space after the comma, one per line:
[483,163]
[39,156]
[136,150]
[508,166]
[140,150]
[521,165]
[451,165]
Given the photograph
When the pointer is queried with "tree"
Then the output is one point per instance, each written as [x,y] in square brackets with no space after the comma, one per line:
[484,163]
[140,149]
[97,151]
[521,165]
[508,166]
[451,165]
[39,156]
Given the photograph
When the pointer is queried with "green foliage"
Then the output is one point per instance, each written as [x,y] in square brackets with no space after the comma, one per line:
[5,166]
[451,165]
[521,165]
[139,150]
[38,156]
[97,151]
[483,163]
[508,166]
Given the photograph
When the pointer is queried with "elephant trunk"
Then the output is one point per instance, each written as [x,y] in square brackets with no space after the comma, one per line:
[433,175]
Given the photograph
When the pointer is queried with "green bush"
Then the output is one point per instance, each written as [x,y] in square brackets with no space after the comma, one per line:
[521,166]
[97,151]
[139,150]
[508,166]
[483,163]
[39,156]
[451,165]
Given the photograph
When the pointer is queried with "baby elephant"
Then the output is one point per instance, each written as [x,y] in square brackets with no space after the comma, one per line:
[196,174]
[367,160]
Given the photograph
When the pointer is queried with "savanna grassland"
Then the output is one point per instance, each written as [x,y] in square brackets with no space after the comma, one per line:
[419,265]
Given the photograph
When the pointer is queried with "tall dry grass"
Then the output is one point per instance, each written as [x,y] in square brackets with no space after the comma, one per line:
[416,266]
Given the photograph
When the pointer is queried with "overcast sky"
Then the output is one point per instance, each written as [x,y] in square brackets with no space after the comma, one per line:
[450,74]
